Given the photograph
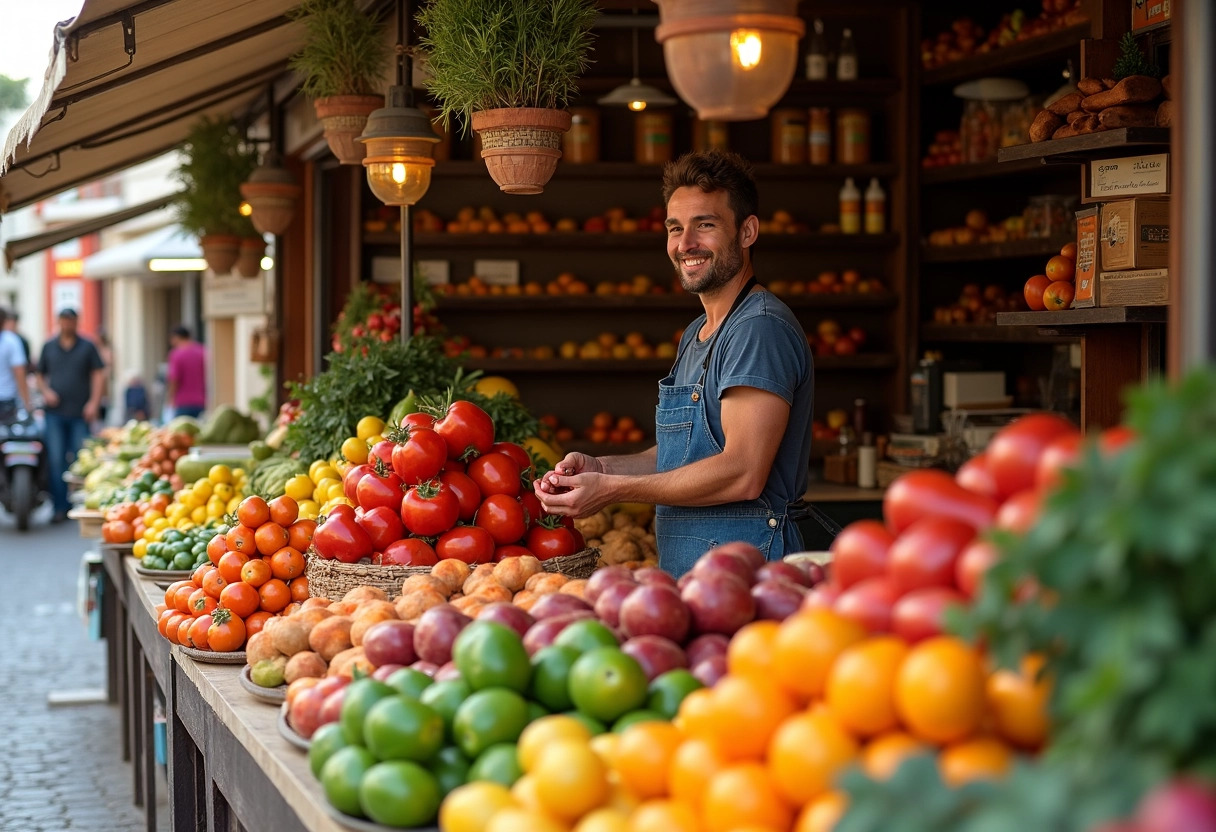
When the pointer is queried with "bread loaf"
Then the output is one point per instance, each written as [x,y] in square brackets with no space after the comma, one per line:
[1065,132]
[1165,114]
[1109,83]
[1090,86]
[1064,106]
[1165,88]
[1134,89]
[1128,116]
[1089,124]
[1045,124]
[1076,115]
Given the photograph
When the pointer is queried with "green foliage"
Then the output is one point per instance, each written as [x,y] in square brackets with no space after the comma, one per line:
[490,54]
[345,52]
[1131,60]
[12,93]
[215,161]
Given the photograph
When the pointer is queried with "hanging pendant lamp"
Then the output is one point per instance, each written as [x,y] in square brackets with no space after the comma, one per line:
[635,95]
[732,60]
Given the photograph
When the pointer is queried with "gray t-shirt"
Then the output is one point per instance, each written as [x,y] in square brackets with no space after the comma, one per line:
[761,345]
[70,374]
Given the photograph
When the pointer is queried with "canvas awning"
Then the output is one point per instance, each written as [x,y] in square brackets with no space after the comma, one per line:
[14,250]
[134,258]
[127,78]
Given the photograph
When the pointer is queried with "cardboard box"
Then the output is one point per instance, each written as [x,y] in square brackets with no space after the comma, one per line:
[1125,177]
[1145,287]
[1087,258]
[963,389]
[1135,234]
[1147,13]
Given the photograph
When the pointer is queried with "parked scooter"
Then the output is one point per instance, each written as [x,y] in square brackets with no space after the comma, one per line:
[23,472]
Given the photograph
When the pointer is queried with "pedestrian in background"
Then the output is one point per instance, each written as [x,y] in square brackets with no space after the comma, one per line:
[135,398]
[107,358]
[13,360]
[187,374]
[71,377]
[13,324]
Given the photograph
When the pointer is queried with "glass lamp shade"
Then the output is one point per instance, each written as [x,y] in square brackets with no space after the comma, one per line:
[400,151]
[731,61]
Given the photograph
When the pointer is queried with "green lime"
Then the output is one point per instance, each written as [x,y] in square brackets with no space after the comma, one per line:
[593,725]
[400,793]
[586,635]
[668,690]
[361,694]
[325,741]
[487,718]
[550,677]
[498,763]
[634,717]
[607,684]
[401,728]
[451,769]
[444,698]
[341,776]
[409,682]
[490,655]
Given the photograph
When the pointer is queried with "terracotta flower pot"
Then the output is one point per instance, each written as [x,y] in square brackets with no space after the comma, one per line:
[521,146]
[344,117]
[220,251]
[272,193]
[249,257]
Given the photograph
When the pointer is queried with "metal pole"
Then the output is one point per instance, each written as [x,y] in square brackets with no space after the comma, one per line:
[407,275]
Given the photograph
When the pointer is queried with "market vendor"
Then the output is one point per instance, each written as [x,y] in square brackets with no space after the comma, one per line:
[733,424]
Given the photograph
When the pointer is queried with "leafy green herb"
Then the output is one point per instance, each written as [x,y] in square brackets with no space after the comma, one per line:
[214,162]
[1131,60]
[345,52]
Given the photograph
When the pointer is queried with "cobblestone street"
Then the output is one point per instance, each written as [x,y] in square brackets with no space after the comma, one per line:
[62,765]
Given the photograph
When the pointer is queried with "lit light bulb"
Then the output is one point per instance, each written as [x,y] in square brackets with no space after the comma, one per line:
[398,173]
[637,106]
[245,208]
[745,47]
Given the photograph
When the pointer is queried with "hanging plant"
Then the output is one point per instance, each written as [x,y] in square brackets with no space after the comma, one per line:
[214,162]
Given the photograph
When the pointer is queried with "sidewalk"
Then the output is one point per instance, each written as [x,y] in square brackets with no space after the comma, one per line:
[63,767]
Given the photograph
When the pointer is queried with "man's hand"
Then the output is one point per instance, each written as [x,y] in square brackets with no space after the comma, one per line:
[579,495]
[91,410]
[50,397]
[573,463]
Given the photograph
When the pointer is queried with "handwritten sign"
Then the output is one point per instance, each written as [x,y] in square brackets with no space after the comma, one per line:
[1129,176]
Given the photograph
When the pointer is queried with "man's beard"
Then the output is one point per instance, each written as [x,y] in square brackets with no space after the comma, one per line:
[722,269]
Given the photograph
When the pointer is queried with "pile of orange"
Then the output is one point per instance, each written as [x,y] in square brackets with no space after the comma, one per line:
[126,522]
[255,571]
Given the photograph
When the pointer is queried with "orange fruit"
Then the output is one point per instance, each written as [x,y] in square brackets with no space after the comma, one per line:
[883,755]
[746,713]
[604,820]
[299,589]
[216,547]
[274,595]
[1059,295]
[751,650]
[571,779]
[822,813]
[663,816]
[287,563]
[983,758]
[181,598]
[214,583]
[1069,250]
[807,753]
[253,511]
[255,622]
[696,714]
[201,603]
[163,619]
[1018,704]
[861,685]
[742,795]
[240,538]
[643,757]
[283,510]
[1060,268]
[256,572]
[692,766]
[1033,292]
[470,807]
[806,646]
[230,566]
[299,534]
[171,591]
[546,731]
[270,538]
[939,691]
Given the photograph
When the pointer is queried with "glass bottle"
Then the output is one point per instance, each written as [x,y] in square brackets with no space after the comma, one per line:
[817,56]
[846,62]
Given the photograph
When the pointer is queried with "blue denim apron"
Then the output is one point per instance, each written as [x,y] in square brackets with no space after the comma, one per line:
[683,436]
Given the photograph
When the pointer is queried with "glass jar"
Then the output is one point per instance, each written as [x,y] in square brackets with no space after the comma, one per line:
[652,138]
[980,131]
[581,143]
[789,136]
[819,136]
[1015,122]
[852,137]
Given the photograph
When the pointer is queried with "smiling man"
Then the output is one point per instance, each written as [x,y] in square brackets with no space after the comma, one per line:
[733,424]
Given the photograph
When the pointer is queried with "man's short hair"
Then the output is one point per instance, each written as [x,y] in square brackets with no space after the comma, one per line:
[68,312]
[180,332]
[715,170]
[5,315]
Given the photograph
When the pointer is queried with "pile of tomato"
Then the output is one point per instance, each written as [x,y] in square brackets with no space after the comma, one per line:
[254,570]
[441,487]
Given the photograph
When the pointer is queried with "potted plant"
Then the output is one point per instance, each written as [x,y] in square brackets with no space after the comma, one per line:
[508,68]
[343,63]
[215,161]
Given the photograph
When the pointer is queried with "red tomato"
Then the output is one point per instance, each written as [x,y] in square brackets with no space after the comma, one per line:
[382,450]
[429,509]
[860,552]
[420,456]
[925,553]
[511,550]
[454,465]
[580,542]
[921,613]
[517,453]
[350,482]
[467,429]
[342,510]
[532,506]
[546,542]
[418,420]
[972,564]
[340,537]
[379,490]
[495,473]
[409,552]
[1013,454]
[466,491]
[1019,512]
[503,517]
[1113,440]
[471,544]
[1063,452]
[383,526]
[868,603]
[974,476]
[933,493]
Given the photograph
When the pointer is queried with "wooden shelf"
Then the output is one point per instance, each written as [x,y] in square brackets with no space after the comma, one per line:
[586,446]
[979,171]
[1089,146]
[644,240]
[983,334]
[651,366]
[1098,316]
[682,302]
[1036,50]
[799,89]
[467,168]
[1012,250]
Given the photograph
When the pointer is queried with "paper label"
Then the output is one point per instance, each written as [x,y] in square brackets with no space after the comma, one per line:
[1129,176]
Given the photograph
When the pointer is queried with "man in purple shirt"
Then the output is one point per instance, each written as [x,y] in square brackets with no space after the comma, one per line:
[187,374]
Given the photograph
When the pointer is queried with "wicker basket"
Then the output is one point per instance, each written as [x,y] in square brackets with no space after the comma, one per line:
[579,565]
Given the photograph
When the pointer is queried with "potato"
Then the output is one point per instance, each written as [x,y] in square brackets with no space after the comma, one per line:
[259,648]
[411,605]
[312,615]
[343,607]
[331,636]
[464,602]
[1128,116]
[345,662]
[1090,86]
[513,573]
[304,665]
[491,591]
[370,613]
[575,587]
[416,582]
[1134,89]
[313,603]
[546,583]
[1075,116]
[1066,104]
[289,636]
[525,599]
[1045,124]
[365,593]
[1065,131]
[452,572]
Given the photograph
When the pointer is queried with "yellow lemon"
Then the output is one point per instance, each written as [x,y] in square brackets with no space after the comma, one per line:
[368,427]
[354,450]
[219,473]
[224,491]
[544,732]
[139,548]
[325,472]
[299,487]
[199,515]
[470,807]
[202,489]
